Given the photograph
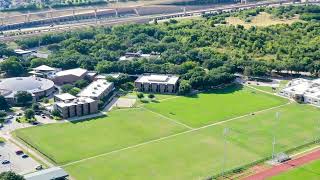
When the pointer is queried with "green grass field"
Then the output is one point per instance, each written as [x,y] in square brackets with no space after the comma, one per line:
[66,142]
[181,153]
[199,153]
[309,171]
[219,105]
[282,84]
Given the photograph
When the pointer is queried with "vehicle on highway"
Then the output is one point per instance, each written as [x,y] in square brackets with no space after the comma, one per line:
[38,168]
[24,156]
[5,162]
[19,152]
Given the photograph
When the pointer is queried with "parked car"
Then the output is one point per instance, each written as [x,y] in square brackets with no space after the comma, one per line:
[35,123]
[5,162]
[43,116]
[9,117]
[19,114]
[19,152]
[24,156]
[38,168]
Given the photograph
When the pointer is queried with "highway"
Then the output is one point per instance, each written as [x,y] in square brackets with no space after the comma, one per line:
[28,32]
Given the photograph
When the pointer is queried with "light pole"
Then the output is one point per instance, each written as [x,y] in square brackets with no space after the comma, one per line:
[225,133]
[274,136]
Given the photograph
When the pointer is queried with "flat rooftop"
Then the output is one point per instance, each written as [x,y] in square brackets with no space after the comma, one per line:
[47,174]
[158,79]
[76,72]
[65,97]
[80,100]
[96,88]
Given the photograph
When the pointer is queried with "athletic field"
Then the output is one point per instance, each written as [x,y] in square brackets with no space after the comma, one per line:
[157,142]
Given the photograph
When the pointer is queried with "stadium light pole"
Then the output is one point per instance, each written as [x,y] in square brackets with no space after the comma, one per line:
[225,133]
[274,136]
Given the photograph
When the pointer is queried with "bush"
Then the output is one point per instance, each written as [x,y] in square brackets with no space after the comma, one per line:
[144,100]
[45,100]
[140,95]
[151,96]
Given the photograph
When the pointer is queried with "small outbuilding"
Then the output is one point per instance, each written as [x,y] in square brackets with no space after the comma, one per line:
[54,173]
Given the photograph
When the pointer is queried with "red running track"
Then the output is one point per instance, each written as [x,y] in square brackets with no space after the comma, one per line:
[285,166]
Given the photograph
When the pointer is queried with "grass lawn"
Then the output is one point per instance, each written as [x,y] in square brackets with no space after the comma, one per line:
[309,171]
[218,105]
[282,84]
[263,19]
[198,154]
[66,142]
[2,140]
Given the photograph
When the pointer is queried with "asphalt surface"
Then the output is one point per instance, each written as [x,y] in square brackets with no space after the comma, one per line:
[17,163]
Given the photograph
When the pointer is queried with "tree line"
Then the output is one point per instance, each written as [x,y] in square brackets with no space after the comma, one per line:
[203,52]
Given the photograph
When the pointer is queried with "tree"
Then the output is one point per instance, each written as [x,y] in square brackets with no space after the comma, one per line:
[151,96]
[29,114]
[184,87]
[55,113]
[3,114]
[12,67]
[66,88]
[35,107]
[23,98]
[3,103]
[9,175]
[81,83]
[140,95]
[74,91]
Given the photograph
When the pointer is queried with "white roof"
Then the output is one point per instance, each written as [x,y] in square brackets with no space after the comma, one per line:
[76,72]
[159,79]
[303,86]
[96,88]
[44,68]
[80,100]
[104,76]
[21,52]
[47,174]
[65,96]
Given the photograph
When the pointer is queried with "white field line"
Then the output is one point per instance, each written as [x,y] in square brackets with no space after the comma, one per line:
[170,136]
[170,119]
[169,98]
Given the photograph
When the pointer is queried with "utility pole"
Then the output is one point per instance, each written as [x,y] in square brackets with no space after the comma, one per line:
[274,136]
[225,133]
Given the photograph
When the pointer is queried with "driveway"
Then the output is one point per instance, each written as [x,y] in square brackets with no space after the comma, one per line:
[17,163]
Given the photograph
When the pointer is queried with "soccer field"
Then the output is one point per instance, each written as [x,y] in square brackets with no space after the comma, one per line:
[199,153]
[66,142]
[218,105]
[143,144]
[309,171]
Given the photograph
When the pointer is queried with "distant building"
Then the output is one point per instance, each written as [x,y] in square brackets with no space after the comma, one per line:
[54,173]
[131,55]
[104,76]
[44,71]
[23,53]
[38,87]
[157,83]
[70,106]
[303,90]
[97,89]
[69,76]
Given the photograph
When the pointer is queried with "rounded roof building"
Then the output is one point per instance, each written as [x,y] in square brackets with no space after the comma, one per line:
[33,85]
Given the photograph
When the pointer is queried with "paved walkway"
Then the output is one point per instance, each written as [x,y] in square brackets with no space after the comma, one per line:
[275,170]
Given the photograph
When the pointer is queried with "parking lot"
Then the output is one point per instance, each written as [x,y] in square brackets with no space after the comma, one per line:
[17,163]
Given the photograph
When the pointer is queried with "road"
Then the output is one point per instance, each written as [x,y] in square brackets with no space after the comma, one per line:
[18,34]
